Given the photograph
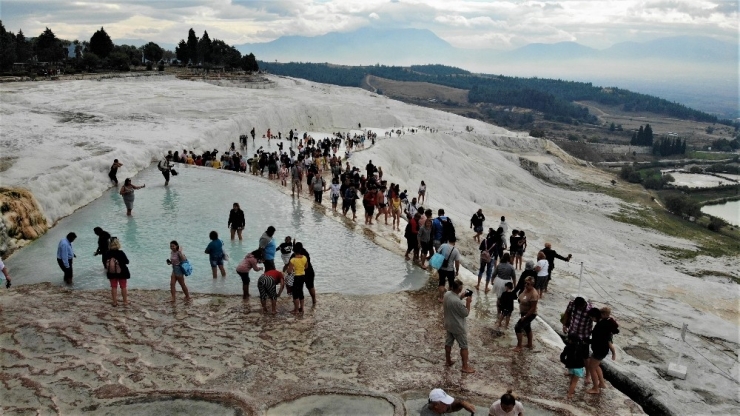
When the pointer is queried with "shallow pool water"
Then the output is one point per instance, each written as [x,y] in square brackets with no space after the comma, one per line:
[333,404]
[196,202]
[729,211]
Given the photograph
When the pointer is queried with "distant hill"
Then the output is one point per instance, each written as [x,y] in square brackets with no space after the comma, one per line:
[366,45]
[554,98]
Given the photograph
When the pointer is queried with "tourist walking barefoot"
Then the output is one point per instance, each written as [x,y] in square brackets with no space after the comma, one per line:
[236,221]
[487,249]
[310,276]
[450,267]
[297,267]
[551,255]
[116,265]
[127,192]
[528,311]
[425,242]
[368,202]
[216,255]
[600,336]
[396,211]
[177,257]
[476,223]
[422,192]
[335,191]
[455,312]
[249,262]
[541,269]
[269,247]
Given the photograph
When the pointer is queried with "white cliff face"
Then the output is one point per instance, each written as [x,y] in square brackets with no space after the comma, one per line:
[64,136]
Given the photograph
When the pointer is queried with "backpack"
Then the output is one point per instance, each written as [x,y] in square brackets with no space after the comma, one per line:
[112,267]
[448,230]
[161,166]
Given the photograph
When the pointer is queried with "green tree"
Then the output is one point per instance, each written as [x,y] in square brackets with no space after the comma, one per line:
[181,51]
[101,44]
[22,48]
[224,54]
[48,48]
[90,61]
[249,64]
[192,47]
[132,52]
[205,49]
[682,205]
[153,52]
[7,48]
[612,127]
[119,61]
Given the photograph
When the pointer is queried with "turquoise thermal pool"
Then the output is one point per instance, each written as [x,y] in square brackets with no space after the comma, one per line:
[197,201]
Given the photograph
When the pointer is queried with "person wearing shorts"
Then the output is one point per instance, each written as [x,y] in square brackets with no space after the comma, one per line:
[250,262]
[297,266]
[600,336]
[448,272]
[266,285]
[455,312]
[116,265]
[528,311]
[178,274]
[542,272]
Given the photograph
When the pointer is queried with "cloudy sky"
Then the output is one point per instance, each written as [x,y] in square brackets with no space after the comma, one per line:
[499,24]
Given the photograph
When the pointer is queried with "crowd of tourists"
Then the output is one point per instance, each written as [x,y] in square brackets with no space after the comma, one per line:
[431,242]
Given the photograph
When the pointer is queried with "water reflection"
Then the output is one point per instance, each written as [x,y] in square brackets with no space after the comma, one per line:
[186,211]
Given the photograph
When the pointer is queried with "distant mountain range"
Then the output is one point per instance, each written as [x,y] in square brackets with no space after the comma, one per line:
[407,46]
[698,71]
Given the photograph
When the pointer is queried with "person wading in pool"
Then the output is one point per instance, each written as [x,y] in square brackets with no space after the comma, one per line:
[268,245]
[297,266]
[103,242]
[65,254]
[236,221]
[114,171]
[165,167]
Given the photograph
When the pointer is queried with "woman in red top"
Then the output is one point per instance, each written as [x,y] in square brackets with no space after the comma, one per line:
[266,285]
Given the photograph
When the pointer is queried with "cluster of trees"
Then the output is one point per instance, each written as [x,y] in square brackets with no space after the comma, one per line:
[643,136]
[100,51]
[206,52]
[682,205]
[16,48]
[668,147]
[649,178]
[724,145]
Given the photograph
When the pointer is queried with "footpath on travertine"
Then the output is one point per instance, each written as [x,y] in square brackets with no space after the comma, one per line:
[483,311]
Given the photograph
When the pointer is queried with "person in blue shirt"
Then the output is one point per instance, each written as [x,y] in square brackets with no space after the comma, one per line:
[215,251]
[65,254]
[267,243]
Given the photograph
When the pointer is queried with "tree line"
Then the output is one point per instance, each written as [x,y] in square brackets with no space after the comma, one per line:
[100,51]
[558,95]
[207,53]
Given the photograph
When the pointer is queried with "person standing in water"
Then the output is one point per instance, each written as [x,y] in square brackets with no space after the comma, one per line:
[178,274]
[236,221]
[165,167]
[114,171]
[116,266]
[65,254]
[127,191]
[215,251]
[297,267]
[103,243]
[250,262]
[267,243]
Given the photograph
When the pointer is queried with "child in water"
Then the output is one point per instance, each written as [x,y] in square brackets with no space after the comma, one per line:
[286,249]
[506,305]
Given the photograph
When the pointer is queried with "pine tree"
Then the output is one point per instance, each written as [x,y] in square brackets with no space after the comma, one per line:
[101,44]
[192,47]
[22,47]
[7,49]
[641,137]
[181,51]
[205,48]
[648,135]
[48,47]
[633,142]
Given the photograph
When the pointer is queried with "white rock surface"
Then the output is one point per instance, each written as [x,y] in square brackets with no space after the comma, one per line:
[65,135]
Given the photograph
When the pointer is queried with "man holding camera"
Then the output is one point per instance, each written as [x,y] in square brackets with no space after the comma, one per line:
[455,312]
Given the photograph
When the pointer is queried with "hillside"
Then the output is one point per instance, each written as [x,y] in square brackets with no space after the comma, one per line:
[553,97]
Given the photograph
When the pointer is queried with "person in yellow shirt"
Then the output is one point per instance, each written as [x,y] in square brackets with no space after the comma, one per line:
[216,164]
[298,265]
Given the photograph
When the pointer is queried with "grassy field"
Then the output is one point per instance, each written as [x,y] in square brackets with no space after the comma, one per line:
[650,215]
[693,154]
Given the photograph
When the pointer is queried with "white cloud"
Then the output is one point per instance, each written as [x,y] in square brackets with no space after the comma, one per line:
[463,23]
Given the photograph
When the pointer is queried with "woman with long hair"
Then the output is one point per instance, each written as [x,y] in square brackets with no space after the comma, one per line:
[116,266]
[178,274]
[528,312]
